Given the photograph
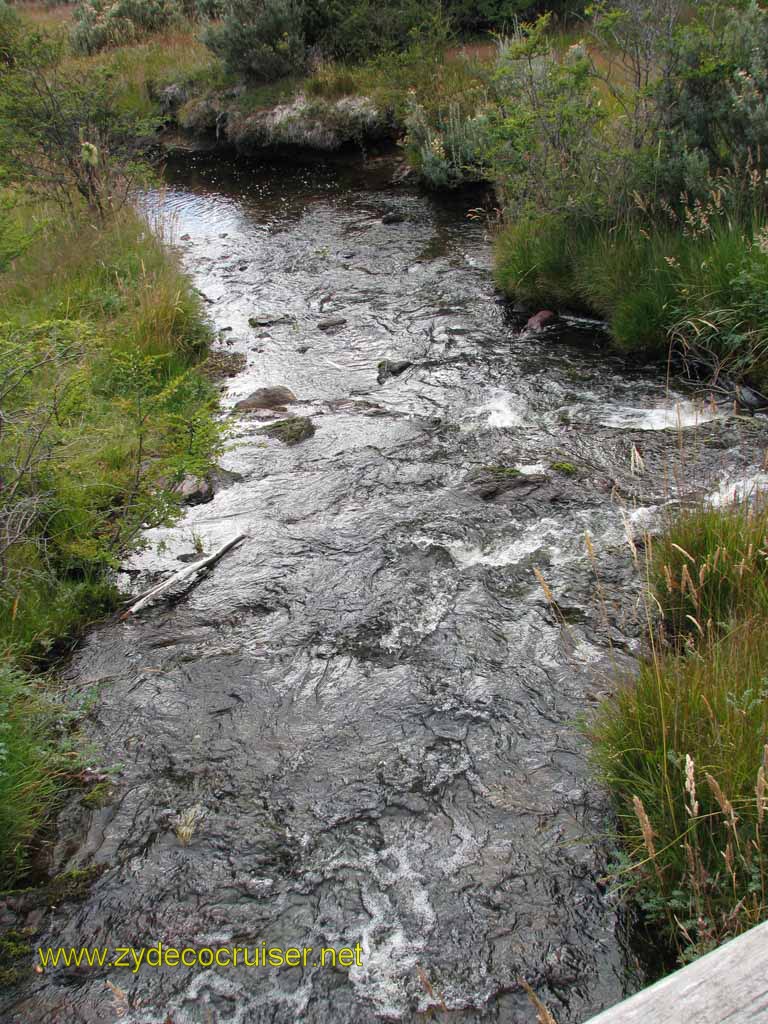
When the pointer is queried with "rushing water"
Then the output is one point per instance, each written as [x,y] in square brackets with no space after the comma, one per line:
[366,712]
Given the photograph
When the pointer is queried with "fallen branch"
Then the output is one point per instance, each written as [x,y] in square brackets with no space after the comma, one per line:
[182,574]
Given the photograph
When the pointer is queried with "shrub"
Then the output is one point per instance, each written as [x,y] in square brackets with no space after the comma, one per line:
[104,23]
[62,134]
[447,150]
[10,33]
[355,30]
[546,147]
[713,98]
[263,40]
[476,14]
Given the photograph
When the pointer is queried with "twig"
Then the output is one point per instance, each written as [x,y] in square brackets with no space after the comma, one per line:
[182,574]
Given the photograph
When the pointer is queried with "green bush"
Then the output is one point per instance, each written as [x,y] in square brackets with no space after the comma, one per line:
[105,23]
[447,150]
[714,98]
[10,33]
[355,30]
[479,14]
[263,40]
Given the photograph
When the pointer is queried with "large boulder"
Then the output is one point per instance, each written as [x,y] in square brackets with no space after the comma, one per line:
[266,398]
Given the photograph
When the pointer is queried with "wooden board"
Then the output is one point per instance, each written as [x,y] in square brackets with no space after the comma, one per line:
[727,986]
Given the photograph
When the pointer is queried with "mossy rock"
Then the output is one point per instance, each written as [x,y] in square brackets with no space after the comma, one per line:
[291,431]
[219,365]
[15,957]
[98,796]
[72,885]
[566,468]
[503,472]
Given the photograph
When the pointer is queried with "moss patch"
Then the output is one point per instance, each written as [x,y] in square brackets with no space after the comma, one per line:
[566,468]
[72,885]
[98,796]
[15,952]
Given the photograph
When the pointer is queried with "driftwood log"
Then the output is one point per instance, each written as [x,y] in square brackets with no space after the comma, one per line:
[189,570]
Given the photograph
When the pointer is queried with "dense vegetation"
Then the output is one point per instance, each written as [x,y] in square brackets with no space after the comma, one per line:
[631,145]
[683,747]
[102,407]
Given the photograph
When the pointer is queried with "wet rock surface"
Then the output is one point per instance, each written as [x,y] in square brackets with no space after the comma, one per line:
[392,368]
[360,726]
[292,431]
[266,398]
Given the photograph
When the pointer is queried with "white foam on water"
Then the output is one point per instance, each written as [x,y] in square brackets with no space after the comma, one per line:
[502,411]
[732,491]
[670,415]
[466,554]
[547,536]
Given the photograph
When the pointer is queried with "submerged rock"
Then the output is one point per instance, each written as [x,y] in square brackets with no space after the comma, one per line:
[220,364]
[269,321]
[392,368]
[266,398]
[491,482]
[333,321]
[291,431]
[750,400]
[393,217]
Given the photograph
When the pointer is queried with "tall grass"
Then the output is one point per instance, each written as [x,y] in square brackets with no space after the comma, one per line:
[683,748]
[653,286]
[101,333]
[710,569]
[141,70]
[28,769]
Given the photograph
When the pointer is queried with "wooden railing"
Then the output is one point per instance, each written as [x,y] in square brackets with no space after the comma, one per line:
[727,986]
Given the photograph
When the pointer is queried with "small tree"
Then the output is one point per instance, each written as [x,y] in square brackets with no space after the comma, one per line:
[61,131]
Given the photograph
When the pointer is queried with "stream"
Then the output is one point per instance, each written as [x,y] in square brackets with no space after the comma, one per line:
[362,721]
